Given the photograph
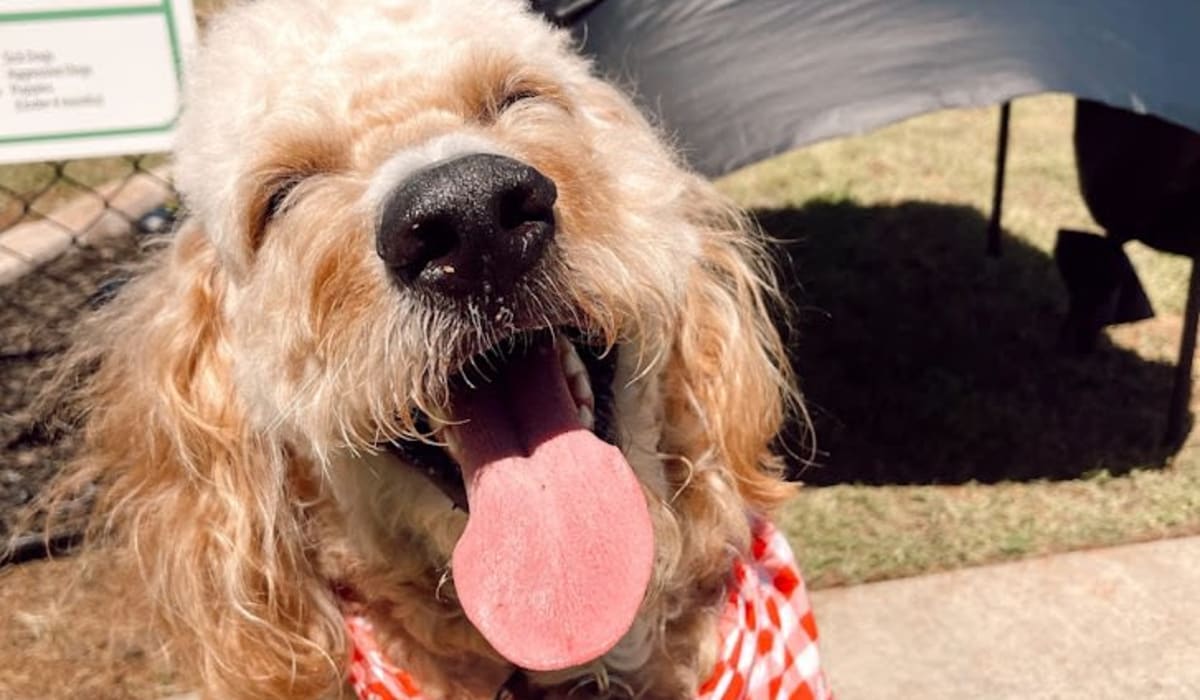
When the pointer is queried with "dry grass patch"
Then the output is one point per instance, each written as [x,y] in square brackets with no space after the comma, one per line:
[67,630]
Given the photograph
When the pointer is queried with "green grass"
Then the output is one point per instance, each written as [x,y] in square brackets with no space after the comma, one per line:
[851,534]
[927,363]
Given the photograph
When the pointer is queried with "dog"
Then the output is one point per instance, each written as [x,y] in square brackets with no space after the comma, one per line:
[452,363]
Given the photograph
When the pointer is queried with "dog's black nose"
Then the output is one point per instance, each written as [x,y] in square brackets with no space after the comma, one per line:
[471,226]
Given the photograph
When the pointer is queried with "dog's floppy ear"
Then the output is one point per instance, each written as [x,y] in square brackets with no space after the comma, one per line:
[733,386]
[202,502]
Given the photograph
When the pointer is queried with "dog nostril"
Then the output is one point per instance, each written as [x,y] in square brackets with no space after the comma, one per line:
[523,205]
[419,245]
[433,239]
[471,226]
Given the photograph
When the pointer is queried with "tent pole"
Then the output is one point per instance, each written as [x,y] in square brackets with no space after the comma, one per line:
[993,230]
[1181,392]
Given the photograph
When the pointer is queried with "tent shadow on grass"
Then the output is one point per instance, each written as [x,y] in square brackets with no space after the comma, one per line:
[924,361]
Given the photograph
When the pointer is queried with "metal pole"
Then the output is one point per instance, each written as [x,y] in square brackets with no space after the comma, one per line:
[1181,392]
[993,231]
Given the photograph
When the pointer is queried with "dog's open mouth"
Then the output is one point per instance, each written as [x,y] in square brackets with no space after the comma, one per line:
[587,366]
[558,548]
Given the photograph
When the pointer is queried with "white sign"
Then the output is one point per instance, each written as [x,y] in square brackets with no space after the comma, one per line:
[87,78]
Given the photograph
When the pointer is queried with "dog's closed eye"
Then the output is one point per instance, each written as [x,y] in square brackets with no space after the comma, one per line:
[273,200]
[512,98]
[516,95]
[278,198]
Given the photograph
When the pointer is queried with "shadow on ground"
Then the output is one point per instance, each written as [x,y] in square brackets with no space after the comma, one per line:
[924,361]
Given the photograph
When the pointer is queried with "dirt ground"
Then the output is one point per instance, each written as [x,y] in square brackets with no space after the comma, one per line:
[68,630]
[37,314]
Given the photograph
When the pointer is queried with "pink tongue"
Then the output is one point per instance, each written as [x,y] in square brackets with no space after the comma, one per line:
[557,552]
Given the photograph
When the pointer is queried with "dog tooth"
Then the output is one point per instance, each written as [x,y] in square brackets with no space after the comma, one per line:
[572,365]
[587,418]
[449,437]
[581,389]
[562,345]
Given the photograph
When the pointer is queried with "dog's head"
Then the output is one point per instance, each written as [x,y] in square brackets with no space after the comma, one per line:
[440,278]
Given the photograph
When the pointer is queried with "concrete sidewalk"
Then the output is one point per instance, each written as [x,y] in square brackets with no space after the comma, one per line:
[1111,623]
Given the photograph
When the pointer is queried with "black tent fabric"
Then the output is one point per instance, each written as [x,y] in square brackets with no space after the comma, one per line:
[738,81]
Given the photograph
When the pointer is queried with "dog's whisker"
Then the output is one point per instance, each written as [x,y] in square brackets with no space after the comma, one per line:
[292,407]
[466,377]
[643,371]
[443,579]
[488,360]
[688,465]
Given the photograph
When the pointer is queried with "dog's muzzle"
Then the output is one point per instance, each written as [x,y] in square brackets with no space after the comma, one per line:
[469,227]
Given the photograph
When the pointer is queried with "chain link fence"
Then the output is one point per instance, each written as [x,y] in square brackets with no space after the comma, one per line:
[67,231]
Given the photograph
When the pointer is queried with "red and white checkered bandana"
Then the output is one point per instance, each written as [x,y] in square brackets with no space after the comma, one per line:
[768,637]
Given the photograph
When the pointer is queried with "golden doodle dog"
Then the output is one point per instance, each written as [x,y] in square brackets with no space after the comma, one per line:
[450,345]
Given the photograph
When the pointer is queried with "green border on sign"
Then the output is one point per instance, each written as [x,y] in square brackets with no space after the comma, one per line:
[164,8]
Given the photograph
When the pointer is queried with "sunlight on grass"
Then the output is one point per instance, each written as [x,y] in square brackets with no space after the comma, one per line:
[949,157]
[852,533]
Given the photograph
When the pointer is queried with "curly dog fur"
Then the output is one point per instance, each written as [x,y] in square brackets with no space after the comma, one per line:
[243,385]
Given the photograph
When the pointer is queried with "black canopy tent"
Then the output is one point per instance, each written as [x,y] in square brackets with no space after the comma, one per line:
[740,80]
[737,81]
